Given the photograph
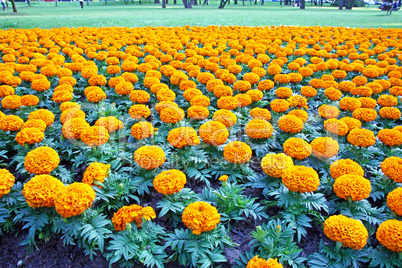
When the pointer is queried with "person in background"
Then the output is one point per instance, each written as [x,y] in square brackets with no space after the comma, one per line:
[3,4]
[82,3]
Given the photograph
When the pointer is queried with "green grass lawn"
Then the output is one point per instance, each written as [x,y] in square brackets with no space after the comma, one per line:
[97,14]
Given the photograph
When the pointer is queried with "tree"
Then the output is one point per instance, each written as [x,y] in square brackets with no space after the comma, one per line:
[340,4]
[302,4]
[223,3]
[14,7]
[163,3]
[349,4]
[157,2]
[188,3]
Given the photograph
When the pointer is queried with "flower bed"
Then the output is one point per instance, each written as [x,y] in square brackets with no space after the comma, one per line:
[141,143]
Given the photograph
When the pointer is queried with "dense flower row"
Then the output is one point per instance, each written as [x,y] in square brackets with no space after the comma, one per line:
[324,89]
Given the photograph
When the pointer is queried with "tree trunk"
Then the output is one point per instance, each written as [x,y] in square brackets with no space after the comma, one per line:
[29,2]
[235,2]
[157,1]
[14,7]
[255,2]
[243,2]
[195,3]
[351,2]
[164,3]
[175,2]
[286,2]
[262,2]
[223,3]
[187,3]
[87,2]
[340,4]
[302,4]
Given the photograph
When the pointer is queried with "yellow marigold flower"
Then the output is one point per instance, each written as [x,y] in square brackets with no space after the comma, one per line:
[45,115]
[166,94]
[223,178]
[211,84]
[203,78]
[139,111]
[325,147]
[221,91]
[6,181]
[392,167]
[390,113]
[244,100]
[165,104]
[252,78]
[237,152]
[113,69]
[29,100]
[354,186]
[275,69]
[394,201]
[360,80]
[171,115]
[339,74]
[333,94]
[300,179]
[169,181]
[349,103]
[74,112]
[396,91]
[11,102]
[345,167]
[279,105]
[111,123]
[41,160]
[30,136]
[265,85]
[74,200]
[95,171]
[68,105]
[94,136]
[350,232]
[200,217]
[399,128]
[113,82]
[389,235]
[260,113]
[290,123]
[62,96]
[11,123]
[368,102]
[352,123]
[259,129]
[6,91]
[183,136]
[361,137]
[390,137]
[197,112]
[200,100]
[226,117]
[133,213]
[124,88]
[139,96]
[40,84]
[187,85]
[275,164]
[142,130]
[178,77]
[262,263]
[149,157]
[42,191]
[305,71]
[336,126]
[297,148]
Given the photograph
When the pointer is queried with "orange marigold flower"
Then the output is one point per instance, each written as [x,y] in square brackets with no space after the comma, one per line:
[244,100]
[45,115]
[29,100]
[11,123]
[345,167]
[11,102]
[149,157]
[390,113]
[300,179]
[227,103]
[197,112]
[279,105]
[183,136]
[211,84]
[325,147]
[339,74]
[365,114]
[41,160]
[274,69]
[389,235]
[165,104]
[75,199]
[316,83]
[68,105]
[200,217]
[255,95]
[6,181]
[349,103]
[187,85]
[259,129]
[275,164]
[139,96]
[283,92]
[352,123]
[111,123]
[142,130]
[333,94]
[172,115]
[360,80]
[361,137]
[113,69]
[354,186]
[124,88]
[259,263]
[6,91]
[290,123]
[308,92]
[40,84]
[30,136]
[350,232]
[368,102]
[94,136]
[139,111]
[226,117]
[95,171]
[260,113]
[133,213]
[387,100]
[392,167]
[265,85]
[305,71]
[396,91]
[394,201]
[72,128]
[42,191]
[74,112]
[169,181]
[237,152]
[203,78]
[336,126]
[297,148]
[390,137]
[200,100]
